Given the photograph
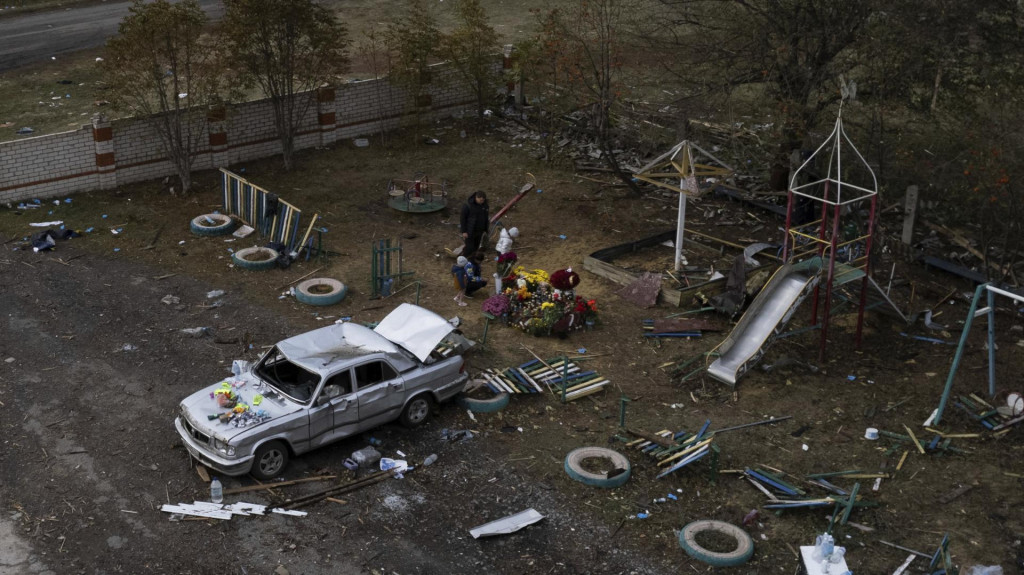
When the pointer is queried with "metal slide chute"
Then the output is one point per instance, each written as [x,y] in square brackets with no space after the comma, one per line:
[767,314]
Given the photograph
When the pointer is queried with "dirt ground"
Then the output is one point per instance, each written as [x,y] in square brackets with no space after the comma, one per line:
[95,365]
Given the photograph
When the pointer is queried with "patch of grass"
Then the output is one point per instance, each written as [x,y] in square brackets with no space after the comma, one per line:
[31,96]
[54,96]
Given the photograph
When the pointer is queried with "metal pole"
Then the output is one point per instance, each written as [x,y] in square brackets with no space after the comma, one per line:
[821,250]
[991,343]
[828,284]
[867,269]
[680,227]
[959,354]
[789,222]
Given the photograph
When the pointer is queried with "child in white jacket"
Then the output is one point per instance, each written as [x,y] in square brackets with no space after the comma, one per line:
[505,240]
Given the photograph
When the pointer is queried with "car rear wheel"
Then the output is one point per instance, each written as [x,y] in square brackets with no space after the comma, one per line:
[271,458]
[417,411]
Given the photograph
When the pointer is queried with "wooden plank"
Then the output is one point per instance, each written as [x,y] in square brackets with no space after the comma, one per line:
[675,325]
[909,214]
[608,271]
[650,437]
[249,488]
[914,439]
[955,493]
[902,459]
[686,451]
[529,379]
[201,471]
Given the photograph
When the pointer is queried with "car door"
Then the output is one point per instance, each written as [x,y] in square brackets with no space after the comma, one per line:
[335,413]
[380,391]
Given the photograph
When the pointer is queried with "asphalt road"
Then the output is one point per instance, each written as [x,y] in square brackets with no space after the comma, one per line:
[39,36]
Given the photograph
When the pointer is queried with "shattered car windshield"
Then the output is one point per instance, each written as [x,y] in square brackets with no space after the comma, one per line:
[290,379]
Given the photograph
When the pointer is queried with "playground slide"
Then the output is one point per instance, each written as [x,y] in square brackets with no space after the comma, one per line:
[770,310]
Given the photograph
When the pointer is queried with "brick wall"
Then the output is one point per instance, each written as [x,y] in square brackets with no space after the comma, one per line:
[106,154]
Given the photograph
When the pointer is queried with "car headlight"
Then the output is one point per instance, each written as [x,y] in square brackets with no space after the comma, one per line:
[223,448]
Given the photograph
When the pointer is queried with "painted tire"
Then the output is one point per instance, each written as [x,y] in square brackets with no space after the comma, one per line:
[239,258]
[201,225]
[496,403]
[574,467]
[744,544]
[304,293]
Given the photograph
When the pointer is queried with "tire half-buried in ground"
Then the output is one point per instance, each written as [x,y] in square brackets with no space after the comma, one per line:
[320,291]
[255,258]
[615,467]
[212,225]
[489,405]
[738,556]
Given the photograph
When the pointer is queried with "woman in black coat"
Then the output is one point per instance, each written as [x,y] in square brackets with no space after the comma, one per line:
[474,221]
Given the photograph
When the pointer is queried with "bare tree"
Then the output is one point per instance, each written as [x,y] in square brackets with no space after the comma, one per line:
[471,48]
[794,49]
[580,55]
[375,55]
[413,41]
[287,48]
[161,67]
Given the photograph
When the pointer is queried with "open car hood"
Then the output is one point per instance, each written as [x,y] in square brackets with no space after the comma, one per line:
[416,329]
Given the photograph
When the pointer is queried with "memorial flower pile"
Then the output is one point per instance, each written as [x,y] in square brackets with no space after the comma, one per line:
[532,302]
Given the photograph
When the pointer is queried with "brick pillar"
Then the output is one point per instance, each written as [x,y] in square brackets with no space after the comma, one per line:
[217,127]
[514,87]
[326,116]
[103,143]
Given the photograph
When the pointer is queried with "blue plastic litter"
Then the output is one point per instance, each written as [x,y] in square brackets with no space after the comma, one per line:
[104,216]
[88,230]
[561,236]
[672,497]
[117,249]
[581,350]
[642,515]
[231,251]
[67,201]
[37,201]
[851,378]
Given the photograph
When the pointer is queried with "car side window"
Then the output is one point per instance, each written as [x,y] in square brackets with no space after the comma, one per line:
[339,384]
[374,372]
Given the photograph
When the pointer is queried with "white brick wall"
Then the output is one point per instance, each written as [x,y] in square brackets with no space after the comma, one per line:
[64,163]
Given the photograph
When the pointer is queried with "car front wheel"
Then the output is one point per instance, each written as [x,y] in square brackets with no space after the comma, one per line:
[417,411]
[271,458]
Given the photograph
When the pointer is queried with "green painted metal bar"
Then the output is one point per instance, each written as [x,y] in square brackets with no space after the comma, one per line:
[850,504]
[959,353]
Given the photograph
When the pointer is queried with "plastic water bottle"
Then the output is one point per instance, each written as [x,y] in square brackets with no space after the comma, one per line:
[216,491]
[823,546]
[430,459]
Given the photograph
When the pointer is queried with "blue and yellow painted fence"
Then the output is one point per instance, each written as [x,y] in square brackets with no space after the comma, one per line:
[266,212]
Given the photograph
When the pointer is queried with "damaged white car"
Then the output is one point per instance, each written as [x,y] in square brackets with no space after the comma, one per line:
[322,386]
